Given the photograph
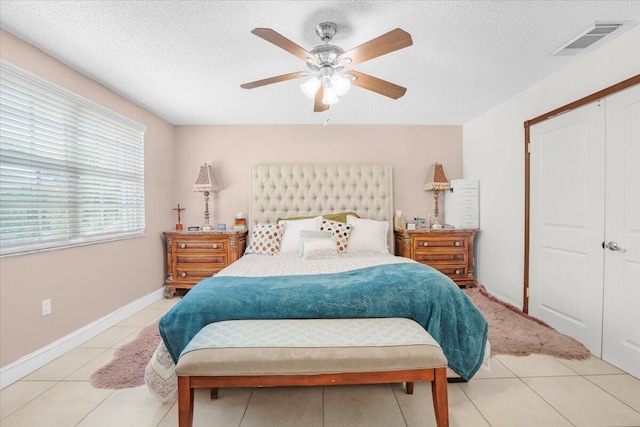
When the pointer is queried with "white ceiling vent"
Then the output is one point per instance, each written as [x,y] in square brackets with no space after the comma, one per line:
[598,31]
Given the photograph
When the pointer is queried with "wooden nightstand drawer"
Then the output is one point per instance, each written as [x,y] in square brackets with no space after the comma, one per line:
[450,258]
[198,273]
[218,260]
[421,244]
[453,271]
[205,245]
[449,251]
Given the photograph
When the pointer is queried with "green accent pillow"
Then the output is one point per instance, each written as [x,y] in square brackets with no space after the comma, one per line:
[339,216]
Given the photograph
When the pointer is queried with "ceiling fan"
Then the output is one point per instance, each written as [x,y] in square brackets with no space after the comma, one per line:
[328,65]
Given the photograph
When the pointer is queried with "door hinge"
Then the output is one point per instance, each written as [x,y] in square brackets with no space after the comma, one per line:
[528,147]
[527,292]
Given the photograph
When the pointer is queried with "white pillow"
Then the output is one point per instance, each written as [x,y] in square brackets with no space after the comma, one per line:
[291,237]
[305,234]
[317,248]
[367,235]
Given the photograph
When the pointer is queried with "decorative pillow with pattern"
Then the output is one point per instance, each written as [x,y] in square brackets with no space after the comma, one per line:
[265,239]
[340,232]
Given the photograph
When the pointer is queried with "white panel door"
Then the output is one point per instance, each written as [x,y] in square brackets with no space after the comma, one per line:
[621,327]
[567,223]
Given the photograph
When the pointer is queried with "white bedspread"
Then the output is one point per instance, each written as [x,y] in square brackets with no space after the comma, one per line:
[291,264]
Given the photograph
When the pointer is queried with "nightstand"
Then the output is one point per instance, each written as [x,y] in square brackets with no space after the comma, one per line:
[448,250]
[195,255]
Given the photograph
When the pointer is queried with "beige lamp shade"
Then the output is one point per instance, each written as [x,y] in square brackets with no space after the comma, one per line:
[437,180]
[205,181]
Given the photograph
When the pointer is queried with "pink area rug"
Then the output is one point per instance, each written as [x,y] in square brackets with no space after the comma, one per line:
[510,332]
[126,369]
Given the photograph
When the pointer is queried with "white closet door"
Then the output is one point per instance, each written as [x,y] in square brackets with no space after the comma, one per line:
[621,334]
[567,223]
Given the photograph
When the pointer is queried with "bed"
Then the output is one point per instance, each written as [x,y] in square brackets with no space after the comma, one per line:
[325,267]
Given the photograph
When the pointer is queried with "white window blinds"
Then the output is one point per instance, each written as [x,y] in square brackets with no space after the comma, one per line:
[71,171]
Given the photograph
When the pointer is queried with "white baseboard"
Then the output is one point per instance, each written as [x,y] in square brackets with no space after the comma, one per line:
[29,363]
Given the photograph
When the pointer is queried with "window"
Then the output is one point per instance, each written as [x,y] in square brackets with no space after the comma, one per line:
[71,171]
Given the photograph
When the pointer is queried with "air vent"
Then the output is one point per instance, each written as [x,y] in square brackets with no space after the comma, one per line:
[596,32]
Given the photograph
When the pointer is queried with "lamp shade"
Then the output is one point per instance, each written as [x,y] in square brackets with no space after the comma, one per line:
[205,181]
[310,87]
[437,180]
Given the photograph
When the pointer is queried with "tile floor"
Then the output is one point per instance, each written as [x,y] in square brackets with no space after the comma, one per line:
[533,391]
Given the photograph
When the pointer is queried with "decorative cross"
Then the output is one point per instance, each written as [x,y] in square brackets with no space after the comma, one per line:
[179,209]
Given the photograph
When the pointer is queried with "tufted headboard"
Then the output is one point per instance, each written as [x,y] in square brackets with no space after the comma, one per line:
[284,191]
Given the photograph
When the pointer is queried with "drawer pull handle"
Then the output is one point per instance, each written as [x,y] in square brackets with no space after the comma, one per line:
[457,243]
[457,257]
[458,271]
[182,259]
[425,244]
[183,245]
[215,246]
[183,274]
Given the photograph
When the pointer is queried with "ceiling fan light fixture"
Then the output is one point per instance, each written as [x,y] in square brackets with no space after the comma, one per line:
[310,87]
[340,84]
[329,97]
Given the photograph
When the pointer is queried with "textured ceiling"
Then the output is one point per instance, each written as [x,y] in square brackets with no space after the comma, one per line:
[185,60]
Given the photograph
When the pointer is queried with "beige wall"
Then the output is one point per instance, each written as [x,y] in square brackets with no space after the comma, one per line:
[232,150]
[89,282]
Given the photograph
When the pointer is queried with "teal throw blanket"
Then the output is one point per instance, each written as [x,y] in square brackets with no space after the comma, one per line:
[408,290]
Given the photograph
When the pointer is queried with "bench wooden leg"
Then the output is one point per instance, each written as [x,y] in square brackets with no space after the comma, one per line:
[185,402]
[214,393]
[409,387]
[440,397]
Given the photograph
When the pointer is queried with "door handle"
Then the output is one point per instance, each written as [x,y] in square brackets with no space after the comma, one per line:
[612,246]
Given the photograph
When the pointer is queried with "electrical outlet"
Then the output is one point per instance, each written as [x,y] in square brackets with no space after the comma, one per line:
[46,307]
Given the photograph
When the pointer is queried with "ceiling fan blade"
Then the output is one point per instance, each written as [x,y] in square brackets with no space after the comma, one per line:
[377,85]
[386,43]
[318,106]
[284,43]
[275,79]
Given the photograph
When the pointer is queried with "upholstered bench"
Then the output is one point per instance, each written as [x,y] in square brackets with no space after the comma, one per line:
[265,353]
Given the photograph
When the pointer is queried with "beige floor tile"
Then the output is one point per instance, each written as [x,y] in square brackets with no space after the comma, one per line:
[498,370]
[111,337]
[360,406]
[583,403]
[624,387]
[417,409]
[142,318]
[128,338]
[535,365]
[19,394]
[84,373]
[227,410]
[284,407]
[64,365]
[592,366]
[134,407]
[508,402]
[63,405]
[164,304]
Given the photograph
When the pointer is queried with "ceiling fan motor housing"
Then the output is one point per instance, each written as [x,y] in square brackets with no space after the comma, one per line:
[327,53]
[326,31]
